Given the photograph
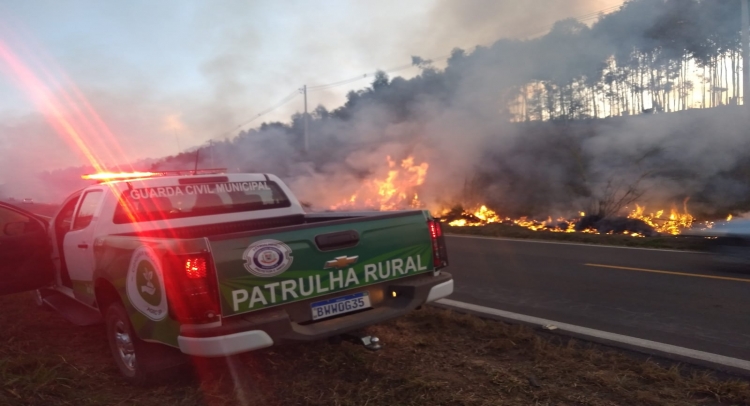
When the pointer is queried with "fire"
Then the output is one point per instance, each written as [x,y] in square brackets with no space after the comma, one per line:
[530,224]
[561,225]
[486,215]
[396,191]
[477,217]
[483,215]
[672,224]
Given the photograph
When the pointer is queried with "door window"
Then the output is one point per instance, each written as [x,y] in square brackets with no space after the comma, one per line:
[65,218]
[86,211]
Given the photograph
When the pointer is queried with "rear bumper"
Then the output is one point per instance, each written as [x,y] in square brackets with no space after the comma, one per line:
[277,326]
[440,291]
[225,345]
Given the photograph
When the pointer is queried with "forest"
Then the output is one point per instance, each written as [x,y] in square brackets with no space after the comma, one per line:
[649,56]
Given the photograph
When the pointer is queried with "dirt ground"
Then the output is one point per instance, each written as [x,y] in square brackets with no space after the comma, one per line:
[431,357]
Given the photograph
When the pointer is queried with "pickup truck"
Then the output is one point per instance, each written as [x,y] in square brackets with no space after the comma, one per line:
[216,264]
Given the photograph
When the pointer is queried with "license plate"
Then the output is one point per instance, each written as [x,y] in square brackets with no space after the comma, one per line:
[340,305]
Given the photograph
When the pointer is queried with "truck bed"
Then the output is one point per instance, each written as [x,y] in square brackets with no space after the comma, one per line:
[211,230]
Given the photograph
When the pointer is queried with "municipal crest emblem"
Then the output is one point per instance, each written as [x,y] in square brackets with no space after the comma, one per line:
[144,284]
[266,258]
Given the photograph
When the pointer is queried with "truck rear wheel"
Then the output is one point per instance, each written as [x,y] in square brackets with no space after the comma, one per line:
[141,363]
[122,343]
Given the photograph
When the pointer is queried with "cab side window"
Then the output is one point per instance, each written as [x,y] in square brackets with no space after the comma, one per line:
[89,204]
[65,218]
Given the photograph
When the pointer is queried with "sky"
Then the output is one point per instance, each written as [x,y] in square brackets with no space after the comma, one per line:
[166,76]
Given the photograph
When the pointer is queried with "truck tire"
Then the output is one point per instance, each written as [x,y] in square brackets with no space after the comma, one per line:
[141,363]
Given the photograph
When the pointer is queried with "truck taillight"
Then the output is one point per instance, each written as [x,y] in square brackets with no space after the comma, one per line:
[439,252]
[196,267]
[191,289]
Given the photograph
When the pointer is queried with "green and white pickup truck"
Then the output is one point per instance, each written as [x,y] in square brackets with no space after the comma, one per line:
[217,264]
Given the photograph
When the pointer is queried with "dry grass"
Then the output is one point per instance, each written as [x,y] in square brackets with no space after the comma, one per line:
[432,357]
[513,231]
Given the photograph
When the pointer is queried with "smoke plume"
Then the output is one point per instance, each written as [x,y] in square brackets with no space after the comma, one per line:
[641,107]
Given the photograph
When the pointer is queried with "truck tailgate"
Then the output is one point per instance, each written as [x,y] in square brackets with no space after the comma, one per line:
[261,269]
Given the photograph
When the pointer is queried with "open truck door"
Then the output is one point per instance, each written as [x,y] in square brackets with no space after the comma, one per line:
[25,252]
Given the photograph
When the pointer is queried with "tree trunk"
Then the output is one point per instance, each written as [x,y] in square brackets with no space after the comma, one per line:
[703,87]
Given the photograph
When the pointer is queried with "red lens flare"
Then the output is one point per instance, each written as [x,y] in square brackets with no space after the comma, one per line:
[62,105]
[47,104]
[75,120]
[37,73]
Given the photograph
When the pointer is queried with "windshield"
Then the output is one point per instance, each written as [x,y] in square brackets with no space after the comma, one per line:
[200,199]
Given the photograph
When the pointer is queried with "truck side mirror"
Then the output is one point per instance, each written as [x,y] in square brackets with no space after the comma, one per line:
[14,228]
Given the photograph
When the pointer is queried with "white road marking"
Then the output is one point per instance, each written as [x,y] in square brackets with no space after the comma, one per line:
[570,243]
[662,348]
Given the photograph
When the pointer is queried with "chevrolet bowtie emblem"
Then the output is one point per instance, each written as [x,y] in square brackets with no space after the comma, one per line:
[341,262]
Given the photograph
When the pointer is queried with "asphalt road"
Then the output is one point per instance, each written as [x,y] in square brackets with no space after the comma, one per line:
[665,296]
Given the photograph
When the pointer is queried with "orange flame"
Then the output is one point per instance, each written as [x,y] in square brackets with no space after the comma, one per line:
[674,224]
[477,217]
[396,191]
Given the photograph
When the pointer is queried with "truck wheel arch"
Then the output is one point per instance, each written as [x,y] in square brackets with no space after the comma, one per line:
[106,294]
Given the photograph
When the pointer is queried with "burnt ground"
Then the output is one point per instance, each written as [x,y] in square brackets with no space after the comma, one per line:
[432,356]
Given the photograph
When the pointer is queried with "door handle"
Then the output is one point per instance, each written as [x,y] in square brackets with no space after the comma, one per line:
[84,245]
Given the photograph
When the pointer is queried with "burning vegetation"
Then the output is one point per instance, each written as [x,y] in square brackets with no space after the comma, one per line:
[672,224]
[398,190]
[637,223]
